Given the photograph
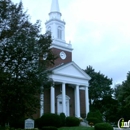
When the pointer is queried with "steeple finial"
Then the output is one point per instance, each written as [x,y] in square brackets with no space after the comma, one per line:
[55,6]
[55,10]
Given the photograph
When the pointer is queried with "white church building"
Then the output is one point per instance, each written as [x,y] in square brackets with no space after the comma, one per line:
[69,94]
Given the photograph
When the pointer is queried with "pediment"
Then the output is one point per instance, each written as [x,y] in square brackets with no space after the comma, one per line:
[71,70]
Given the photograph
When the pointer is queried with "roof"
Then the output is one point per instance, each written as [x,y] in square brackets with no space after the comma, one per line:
[70,69]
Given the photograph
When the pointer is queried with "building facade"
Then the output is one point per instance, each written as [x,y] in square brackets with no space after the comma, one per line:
[69,93]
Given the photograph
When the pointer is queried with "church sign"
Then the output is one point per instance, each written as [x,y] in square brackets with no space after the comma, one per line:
[29,124]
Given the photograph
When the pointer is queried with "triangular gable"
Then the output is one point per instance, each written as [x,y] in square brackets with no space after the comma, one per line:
[71,69]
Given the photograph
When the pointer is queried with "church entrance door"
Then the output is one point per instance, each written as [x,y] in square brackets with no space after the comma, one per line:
[60,105]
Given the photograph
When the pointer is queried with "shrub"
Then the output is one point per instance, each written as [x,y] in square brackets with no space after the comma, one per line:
[2,128]
[63,118]
[9,128]
[103,126]
[49,128]
[93,121]
[17,123]
[49,120]
[72,121]
[94,117]
[37,122]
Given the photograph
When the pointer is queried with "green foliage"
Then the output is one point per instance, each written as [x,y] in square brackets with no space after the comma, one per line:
[98,90]
[63,119]
[99,84]
[94,117]
[49,128]
[92,121]
[122,94]
[22,68]
[2,128]
[103,126]
[38,123]
[109,107]
[17,123]
[72,121]
[49,119]
[7,128]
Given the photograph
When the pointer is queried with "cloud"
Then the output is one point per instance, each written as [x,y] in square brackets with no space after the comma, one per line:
[99,31]
[101,10]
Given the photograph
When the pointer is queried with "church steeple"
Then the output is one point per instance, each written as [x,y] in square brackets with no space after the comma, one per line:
[57,28]
[55,10]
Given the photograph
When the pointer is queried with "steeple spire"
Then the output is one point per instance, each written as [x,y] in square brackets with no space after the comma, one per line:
[55,6]
[55,10]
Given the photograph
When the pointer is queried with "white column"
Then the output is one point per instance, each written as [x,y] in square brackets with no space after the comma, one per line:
[86,99]
[77,101]
[41,104]
[63,98]
[52,99]
[42,101]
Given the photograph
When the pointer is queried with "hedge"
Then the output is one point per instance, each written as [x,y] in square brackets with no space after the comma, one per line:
[93,120]
[94,117]
[72,121]
[48,120]
[63,119]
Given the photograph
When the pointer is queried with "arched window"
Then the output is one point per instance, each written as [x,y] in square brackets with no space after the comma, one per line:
[59,32]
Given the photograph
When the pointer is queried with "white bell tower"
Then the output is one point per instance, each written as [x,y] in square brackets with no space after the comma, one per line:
[55,24]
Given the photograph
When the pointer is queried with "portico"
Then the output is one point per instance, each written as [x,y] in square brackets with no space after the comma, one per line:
[74,78]
[64,103]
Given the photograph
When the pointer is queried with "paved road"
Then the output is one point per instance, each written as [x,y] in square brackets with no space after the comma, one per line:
[122,129]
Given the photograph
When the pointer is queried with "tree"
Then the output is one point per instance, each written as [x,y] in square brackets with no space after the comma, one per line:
[122,94]
[99,91]
[99,85]
[24,59]
[109,107]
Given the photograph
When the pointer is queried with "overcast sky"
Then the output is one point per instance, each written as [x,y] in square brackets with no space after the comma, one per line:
[99,31]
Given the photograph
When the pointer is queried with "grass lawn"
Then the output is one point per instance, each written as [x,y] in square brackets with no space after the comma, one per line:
[76,128]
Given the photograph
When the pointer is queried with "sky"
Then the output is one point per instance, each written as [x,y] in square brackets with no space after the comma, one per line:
[99,31]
